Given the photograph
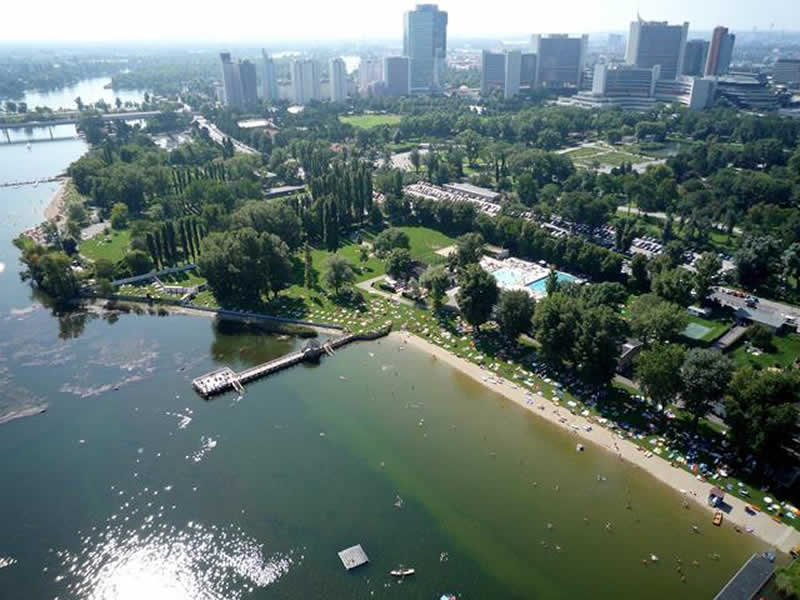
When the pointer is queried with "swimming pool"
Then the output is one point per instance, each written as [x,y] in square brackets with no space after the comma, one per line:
[508,277]
[539,287]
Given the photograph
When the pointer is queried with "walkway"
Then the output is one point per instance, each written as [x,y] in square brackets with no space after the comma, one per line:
[396,297]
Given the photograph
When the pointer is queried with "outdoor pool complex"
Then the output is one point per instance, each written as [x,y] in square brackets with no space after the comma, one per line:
[509,277]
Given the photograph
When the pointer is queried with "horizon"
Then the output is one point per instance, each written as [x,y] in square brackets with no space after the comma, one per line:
[365,21]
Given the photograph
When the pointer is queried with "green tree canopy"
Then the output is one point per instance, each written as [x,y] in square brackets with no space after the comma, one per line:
[340,273]
[477,295]
[657,369]
[514,313]
[653,319]
[705,376]
[436,280]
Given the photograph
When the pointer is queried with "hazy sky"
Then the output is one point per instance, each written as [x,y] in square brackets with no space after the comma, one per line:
[247,20]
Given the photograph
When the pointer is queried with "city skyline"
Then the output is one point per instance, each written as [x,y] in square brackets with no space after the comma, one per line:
[377,20]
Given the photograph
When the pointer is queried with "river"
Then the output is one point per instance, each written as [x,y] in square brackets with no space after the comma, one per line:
[132,486]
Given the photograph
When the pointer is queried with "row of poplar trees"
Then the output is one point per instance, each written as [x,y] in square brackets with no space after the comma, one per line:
[175,240]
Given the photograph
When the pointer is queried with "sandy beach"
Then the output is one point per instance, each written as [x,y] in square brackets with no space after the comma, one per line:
[778,535]
[55,209]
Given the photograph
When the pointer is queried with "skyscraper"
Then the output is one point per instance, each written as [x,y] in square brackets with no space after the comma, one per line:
[652,43]
[560,59]
[527,76]
[493,71]
[396,75]
[694,61]
[247,77]
[720,52]
[370,70]
[269,81]
[425,45]
[338,77]
[231,81]
[513,68]
[305,81]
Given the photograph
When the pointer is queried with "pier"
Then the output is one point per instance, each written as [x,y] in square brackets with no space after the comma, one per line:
[225,379]
[749,580]
[32,181]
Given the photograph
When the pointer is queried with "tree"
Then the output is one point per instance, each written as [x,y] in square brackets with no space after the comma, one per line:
[469,249]
[601,332]
[119,215]
[514,313]
[674,285]
[363,253]
[757,259]
[657,370]
[639,281]
[436,280]
[57,276]
[554,325]
[527,189]
[653,319]
[551,285]
[399,263]
[477,295]
[761,337]
[308,271]
[103,269]
[340,273]
[138,262]
[415,159]
[705,376]
[760,411]
[389,239]
[104,287]
[707,270]
[791,263]
[274,217]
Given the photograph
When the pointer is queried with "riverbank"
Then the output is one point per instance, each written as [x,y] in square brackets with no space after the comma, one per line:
[56,209]
[781,536]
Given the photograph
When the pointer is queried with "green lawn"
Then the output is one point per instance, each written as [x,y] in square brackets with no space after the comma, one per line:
[370,121]
[113,246]
[787,350]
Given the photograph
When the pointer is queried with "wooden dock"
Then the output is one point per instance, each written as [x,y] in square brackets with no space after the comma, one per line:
[225,379]
[749,580]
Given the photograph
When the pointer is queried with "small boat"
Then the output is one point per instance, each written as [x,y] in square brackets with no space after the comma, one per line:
[717,520]
[653,558]
[402,572]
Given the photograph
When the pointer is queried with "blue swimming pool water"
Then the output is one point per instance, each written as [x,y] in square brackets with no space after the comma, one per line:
[540,285]
[508,277]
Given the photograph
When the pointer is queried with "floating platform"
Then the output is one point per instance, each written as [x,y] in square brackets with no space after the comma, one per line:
[353,557]
[749,580]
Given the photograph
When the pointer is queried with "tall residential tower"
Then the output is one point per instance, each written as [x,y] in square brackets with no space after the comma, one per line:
[425,45]
[305,81]
[720,52]
[338,77]
[269,81]
[559,59]
[231,81]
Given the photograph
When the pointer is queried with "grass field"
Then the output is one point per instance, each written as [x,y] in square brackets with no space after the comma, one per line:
[370,121]
[113,250]
[786,351]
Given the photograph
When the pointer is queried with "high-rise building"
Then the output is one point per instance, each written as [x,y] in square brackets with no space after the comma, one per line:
[720,52]
[338,77]
[616,43]
[425,45]
[231,81]
[397,75]
[269,80]
[786,70]
[652,43]
[527,75]
[624,80]
[559,59]
[694,60]
[493,71]
[370,70]
[513,68]
[305,81]
[247,76]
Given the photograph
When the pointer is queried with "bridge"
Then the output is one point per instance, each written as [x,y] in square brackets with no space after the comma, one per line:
[73,118]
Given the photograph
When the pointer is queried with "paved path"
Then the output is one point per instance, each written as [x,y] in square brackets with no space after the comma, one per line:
[367,287]
[772,306]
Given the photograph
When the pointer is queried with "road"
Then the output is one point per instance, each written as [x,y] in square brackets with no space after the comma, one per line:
[765,305]
[219,137]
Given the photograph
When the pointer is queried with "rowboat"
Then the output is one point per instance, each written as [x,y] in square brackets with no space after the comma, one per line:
[403,572]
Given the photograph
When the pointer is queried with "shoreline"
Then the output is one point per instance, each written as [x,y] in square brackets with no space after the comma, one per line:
[57,205]
[783,537]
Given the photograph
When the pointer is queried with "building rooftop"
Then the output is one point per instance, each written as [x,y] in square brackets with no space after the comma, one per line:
[468,188]
[761,316]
